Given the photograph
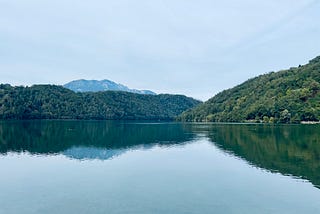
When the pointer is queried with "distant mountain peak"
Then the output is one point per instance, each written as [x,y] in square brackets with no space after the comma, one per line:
[83,85]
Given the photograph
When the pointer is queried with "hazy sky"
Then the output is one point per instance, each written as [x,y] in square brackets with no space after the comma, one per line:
[192,47]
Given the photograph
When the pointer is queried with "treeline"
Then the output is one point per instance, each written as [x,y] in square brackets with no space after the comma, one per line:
[56,102]
[288,96]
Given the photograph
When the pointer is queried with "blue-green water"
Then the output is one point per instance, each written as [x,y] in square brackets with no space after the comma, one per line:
[127,167]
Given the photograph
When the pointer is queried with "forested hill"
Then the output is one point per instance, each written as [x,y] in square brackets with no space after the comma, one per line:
[56,102]
[288,96]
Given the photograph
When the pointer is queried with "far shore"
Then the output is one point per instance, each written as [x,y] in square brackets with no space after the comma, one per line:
[310,122]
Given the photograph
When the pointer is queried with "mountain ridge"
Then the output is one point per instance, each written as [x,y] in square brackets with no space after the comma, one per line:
[83,85]
[57,102]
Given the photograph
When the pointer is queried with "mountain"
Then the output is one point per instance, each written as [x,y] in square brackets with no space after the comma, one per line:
[57,102]
[287,96]
[102,85]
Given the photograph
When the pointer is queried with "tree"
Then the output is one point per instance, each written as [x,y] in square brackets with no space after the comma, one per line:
[285,116]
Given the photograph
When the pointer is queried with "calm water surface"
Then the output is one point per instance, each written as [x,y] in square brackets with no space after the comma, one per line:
[127,167]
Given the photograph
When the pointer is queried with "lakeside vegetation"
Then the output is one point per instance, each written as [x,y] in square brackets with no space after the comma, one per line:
[56,102]
[288,96]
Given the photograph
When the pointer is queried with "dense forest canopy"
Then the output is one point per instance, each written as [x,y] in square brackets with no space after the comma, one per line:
[288,96]
[56,102]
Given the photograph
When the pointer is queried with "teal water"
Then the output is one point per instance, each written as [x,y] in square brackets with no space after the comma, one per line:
[127,167]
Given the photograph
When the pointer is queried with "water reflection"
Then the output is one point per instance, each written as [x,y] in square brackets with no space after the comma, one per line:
[88,139]
[289,149]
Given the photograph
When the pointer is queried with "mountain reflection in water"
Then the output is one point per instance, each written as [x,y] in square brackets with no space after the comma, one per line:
[88,139]
[287,149]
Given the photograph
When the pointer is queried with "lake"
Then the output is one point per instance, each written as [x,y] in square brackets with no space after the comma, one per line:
[135,167]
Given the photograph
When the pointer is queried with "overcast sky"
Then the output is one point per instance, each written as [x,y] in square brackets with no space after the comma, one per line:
[192,47]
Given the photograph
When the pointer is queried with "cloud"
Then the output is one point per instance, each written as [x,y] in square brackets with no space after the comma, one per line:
[197,48]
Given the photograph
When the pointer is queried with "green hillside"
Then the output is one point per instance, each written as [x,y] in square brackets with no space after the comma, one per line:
[56,102]
[288,96]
